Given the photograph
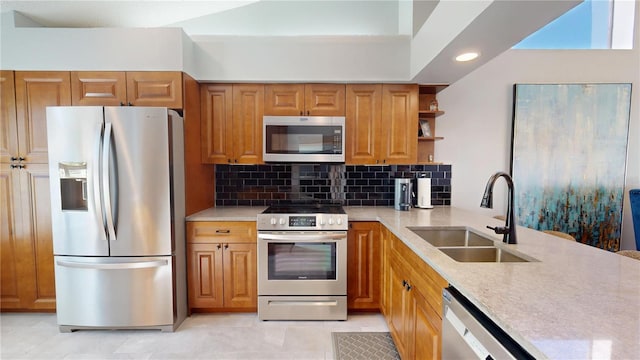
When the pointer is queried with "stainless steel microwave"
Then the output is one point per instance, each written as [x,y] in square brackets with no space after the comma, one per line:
[306,139]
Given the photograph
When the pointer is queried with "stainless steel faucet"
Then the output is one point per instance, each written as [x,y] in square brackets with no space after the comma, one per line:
[509,229]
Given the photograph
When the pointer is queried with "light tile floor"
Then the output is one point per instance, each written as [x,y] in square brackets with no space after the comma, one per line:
[201,336]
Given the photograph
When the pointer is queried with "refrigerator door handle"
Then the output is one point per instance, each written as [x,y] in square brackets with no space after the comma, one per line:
[108,209]
[96,184]
[113,266]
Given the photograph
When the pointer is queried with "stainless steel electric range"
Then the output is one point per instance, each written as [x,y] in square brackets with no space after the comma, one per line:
[302,262]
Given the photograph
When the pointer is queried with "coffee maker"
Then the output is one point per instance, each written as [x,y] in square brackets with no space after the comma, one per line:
[402,194]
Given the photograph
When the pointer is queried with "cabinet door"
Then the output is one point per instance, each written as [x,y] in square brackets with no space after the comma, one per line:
[399,306]
[37,236]
[427,330]
[399,114]
[363,266]
[248,109]
[98,88]
[363,120]
[324,99]
[14,251]
[385,240]
[216,123]
[240,276]
[155,88]
[284,99]
[8,125]
[205,275]
[35,90]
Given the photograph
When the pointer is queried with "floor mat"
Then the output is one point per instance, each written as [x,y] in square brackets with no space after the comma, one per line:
[363,345]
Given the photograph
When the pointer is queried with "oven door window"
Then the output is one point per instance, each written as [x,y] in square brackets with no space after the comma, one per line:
[293,139]
[302,261]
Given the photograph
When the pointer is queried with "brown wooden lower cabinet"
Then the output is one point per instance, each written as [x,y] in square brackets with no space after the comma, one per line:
[412,303]
[364,266]
[26,243]
[222,262]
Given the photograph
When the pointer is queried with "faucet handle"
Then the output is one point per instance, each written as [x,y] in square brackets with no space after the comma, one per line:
[499,229]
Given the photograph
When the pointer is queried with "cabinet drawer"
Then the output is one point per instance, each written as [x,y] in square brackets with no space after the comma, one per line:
[221,232]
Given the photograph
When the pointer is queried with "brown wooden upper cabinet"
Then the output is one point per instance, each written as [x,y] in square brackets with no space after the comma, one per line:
[35,90]
[8,125]
[381,123]
[231,123]
[136,88]
[305,99]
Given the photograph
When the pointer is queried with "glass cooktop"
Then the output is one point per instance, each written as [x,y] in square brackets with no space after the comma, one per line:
[305,209]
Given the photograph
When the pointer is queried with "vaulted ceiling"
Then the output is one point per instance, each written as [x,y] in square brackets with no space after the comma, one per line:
[437,30]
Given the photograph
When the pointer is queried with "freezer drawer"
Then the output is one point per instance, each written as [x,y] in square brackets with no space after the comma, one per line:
[116,292]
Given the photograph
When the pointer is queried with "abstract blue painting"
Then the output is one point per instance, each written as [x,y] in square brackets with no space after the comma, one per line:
[569,151]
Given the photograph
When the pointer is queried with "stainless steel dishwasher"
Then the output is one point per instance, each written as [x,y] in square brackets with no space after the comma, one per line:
[469,334]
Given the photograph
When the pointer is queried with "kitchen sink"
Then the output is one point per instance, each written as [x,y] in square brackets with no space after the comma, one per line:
[455,236]
[463,244]
[482,254]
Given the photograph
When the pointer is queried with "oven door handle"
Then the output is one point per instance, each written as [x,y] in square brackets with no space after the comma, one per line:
[301,237]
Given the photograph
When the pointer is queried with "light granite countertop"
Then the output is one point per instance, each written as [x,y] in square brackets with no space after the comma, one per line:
[575,302]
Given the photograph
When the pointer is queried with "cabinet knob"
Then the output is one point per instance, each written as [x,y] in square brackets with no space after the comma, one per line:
[226,246]
[219,247]
[13,158]
[14,166]
[223,231]
[308,112]
[408,287]
[121,103]
[21,158]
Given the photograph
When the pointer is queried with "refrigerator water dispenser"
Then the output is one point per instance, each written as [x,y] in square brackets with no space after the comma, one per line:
[73,185]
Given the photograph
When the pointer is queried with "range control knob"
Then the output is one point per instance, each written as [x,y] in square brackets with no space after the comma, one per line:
[321,221]
[330,221]
[339,221]
[282,221]
[273,221]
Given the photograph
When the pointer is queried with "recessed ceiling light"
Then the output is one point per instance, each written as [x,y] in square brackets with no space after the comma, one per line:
[467,56]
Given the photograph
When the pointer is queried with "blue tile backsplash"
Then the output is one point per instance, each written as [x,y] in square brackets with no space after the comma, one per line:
[350,185]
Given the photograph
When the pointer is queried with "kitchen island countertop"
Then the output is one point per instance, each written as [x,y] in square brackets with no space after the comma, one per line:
[574,302]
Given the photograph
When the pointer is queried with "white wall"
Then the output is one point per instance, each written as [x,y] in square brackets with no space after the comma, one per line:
[36,48]
[308,58]
[477,122]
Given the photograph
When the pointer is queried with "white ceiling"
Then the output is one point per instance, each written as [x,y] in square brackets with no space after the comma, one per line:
[437,29]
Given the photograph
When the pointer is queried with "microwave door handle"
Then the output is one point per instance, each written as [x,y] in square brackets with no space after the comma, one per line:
[300,237]
[98,203]
[106,194]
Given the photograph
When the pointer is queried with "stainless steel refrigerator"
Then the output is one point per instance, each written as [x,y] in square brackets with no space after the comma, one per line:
[117,202]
